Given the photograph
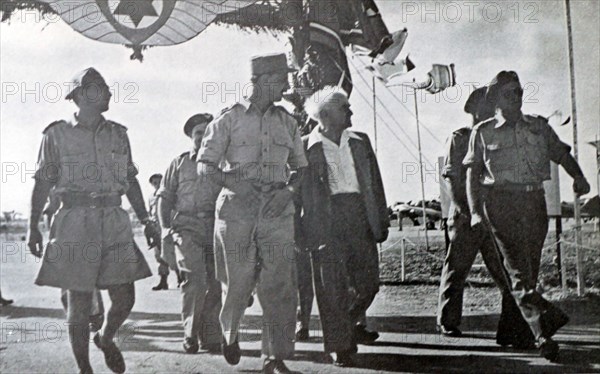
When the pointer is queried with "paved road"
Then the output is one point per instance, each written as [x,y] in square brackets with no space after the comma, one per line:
[33,338]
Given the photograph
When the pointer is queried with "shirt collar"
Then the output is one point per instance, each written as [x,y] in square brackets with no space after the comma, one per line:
[193,154]
[316,136]
[500,121]
[253,107]
[73,121]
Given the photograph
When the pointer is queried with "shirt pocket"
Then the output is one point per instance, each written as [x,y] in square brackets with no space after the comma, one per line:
[118,164]
[537,152]
[77,167]
[243,148]
[281,147]
[185,193]
[501,156]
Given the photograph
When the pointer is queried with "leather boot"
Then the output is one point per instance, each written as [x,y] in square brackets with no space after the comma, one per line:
[162,285]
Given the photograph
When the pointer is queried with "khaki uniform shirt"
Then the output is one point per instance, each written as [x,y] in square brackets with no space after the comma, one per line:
[188,192]
[99,241]
[515,153]
[252,146]
[77,159]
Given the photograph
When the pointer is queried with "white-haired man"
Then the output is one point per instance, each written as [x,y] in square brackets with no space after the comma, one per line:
[344,216]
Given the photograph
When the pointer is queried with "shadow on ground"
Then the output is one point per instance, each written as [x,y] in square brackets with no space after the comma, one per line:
[155,332]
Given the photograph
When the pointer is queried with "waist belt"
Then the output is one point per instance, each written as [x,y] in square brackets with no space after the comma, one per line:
[266,188]
[205,214]
[520,187]
[90,200]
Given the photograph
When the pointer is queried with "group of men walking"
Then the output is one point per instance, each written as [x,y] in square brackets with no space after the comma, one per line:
[239,207]
[254,206]
[495,172]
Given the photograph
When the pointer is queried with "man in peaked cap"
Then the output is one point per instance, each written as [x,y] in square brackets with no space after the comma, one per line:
[255,152]
[87,160]
[508,159]
[186,207]
[465,243]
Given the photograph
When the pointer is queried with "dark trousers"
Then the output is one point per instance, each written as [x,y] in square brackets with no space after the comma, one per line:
[519,223]
[464,245]
[305,288]
[346,272]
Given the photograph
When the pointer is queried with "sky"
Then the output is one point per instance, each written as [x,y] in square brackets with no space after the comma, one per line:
[154,98]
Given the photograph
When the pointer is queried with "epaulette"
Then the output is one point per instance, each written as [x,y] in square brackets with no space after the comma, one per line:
[462,131]
[280,108]
[230,108]
[53,124]
[118,125]
[184,154]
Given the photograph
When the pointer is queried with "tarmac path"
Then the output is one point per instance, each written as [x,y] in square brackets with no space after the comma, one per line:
[33,337]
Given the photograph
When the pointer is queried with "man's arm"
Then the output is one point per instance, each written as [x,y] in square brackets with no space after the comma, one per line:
[452,171]
[165,208]
[41,190]
[474,194]
[136,199]
[580,184]
[458,194]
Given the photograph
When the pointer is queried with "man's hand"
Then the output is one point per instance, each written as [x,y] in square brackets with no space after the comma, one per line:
[581,186]
[277,204]
[35,241]
[152,234]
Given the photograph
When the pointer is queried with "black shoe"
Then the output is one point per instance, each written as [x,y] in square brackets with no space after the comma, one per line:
[302,335]
[344,359]
[552,319]
[364,336]
[190,345]
[5,302]
[516,342]
[231,352]
[162,285]
[548,349]
[450,331]
[112,355]
[87,370]
[212,348]
[96,322]
[524,344]
[275,367]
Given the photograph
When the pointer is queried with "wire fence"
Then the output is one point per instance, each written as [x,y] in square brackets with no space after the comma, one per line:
[404,258]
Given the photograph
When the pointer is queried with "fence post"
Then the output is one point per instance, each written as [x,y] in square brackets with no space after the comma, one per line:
[402,267]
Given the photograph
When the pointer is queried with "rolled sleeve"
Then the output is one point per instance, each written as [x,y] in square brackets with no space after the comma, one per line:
[556,148]
[48,161]
[169,184]
[474,154]
[215,141]
[450,167]
[132,169]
